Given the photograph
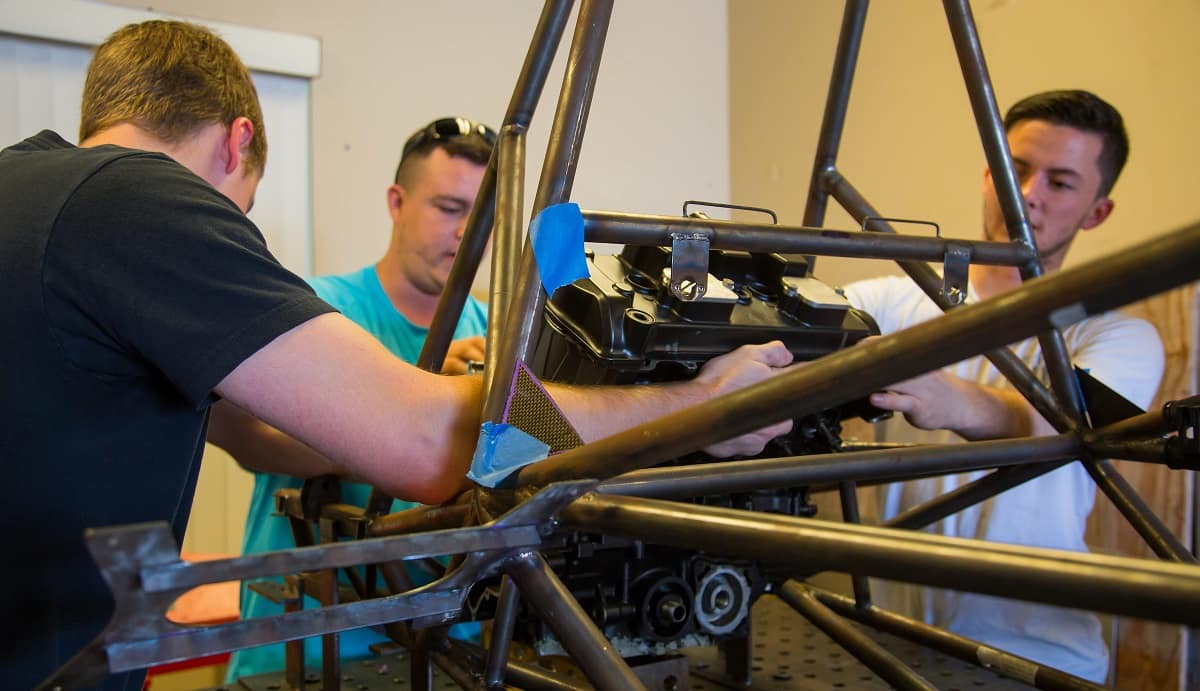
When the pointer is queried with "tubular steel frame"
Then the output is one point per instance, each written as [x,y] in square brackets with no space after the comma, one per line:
[609,487]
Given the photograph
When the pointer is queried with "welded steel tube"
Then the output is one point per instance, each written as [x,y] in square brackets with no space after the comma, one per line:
[1157,590]
[848,494]
[836,101]
[462,273]
[644,229]
[857,643]
[851,373]
[526,93]
[1144,425]
[509,237]
[574,628]
[1004,179]
[1156,534]
[987,118]
[678,482]
[998,661]
[455,668]
[1153,450]
[502,632]
[419,519]
[554,187]
[934,510]
[529,677]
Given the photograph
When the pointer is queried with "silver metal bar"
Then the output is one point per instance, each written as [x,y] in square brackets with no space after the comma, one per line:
[644,229]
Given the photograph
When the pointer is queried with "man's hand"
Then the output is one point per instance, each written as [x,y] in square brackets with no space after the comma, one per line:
[940,400]
[937,400]
[740,368]
[462,351]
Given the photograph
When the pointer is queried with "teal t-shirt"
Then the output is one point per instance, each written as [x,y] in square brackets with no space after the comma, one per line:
[360,297]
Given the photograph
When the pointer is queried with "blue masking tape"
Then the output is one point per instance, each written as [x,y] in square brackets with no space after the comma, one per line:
[557,234]
[501,450]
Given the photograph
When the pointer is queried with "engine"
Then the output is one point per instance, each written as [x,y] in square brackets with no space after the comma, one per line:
[625,325]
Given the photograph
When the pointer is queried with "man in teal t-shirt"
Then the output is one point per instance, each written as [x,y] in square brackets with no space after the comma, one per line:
[440,171]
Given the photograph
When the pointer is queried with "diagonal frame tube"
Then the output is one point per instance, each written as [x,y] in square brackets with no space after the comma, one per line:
[1000,662]
[589,648]
[682,482]
[554,187]
[870,653]
[531,80]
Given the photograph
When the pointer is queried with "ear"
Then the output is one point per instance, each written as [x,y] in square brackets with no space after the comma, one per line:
[395,198]
[1101,209]
[241,131]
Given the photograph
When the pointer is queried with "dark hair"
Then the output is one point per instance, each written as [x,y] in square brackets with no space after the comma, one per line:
[472,147]
[1084,111]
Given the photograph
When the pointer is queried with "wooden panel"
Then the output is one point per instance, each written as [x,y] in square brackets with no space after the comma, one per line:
[1151,655]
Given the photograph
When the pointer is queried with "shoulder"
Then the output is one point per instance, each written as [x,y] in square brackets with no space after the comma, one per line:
[895,302]
[1122,351]
[347,289]
[46,140]
[476,308]
[880,288]
[473,320]
[140,192]
[1115,328]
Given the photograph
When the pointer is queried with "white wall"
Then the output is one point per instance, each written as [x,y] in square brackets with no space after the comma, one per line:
[658,133]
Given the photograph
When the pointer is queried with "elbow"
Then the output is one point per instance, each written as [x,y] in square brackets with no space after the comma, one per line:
[433,493]
[434,489]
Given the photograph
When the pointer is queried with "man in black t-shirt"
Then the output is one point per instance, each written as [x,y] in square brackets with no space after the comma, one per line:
[137,293]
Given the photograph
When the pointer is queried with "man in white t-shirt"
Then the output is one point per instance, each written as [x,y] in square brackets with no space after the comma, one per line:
[1068,148]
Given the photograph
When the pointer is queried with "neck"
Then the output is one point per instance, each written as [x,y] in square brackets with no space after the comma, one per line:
[128,135]
[417,306]
[988,280]
[195,151]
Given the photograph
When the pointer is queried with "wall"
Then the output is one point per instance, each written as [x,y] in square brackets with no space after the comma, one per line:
[658,133]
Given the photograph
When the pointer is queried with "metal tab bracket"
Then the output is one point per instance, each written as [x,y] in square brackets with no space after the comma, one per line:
[955,267]
[689,265]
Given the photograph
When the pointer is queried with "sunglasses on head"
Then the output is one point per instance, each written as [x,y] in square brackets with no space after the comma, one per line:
[448,128]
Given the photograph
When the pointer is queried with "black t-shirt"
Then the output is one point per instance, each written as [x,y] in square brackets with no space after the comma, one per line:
[131,288]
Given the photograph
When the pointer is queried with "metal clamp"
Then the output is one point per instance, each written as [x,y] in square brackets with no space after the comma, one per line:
[955,267]
[1183,418]
[689,265]
[720,205]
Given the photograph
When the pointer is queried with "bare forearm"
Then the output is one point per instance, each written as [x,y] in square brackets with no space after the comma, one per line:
[598,412]
[257,446]
[987,412]
[941,400]
[335,388]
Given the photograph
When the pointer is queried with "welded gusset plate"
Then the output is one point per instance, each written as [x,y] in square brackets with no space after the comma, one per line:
[142,567]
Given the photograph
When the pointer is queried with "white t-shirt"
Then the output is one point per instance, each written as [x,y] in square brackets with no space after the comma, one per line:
[1051,511]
